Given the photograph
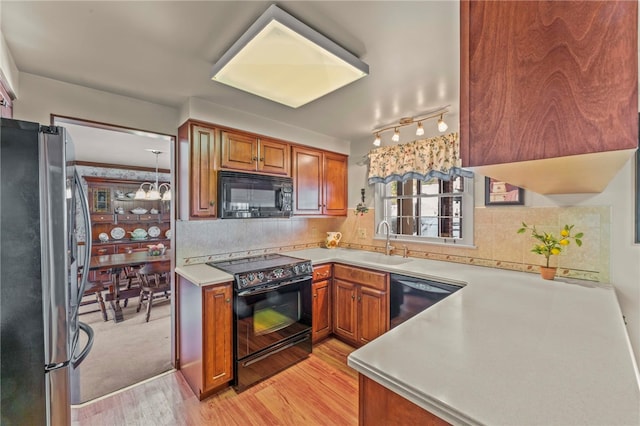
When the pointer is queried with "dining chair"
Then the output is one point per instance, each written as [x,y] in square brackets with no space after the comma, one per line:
[102,279]
[155,278]
[130,273]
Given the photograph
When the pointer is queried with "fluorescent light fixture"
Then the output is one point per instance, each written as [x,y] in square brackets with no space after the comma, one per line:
[282,59]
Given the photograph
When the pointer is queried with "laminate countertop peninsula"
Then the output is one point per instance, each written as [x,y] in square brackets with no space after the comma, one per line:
[508,349]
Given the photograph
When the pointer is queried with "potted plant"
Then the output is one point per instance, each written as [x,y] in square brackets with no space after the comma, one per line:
[550,245]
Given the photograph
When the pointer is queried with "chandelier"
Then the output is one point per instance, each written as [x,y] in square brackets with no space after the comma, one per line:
[154,191]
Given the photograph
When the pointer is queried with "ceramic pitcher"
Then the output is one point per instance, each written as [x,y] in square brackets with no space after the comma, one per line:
[333,238]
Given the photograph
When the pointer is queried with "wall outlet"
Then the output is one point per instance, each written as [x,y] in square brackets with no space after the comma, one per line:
[362,233]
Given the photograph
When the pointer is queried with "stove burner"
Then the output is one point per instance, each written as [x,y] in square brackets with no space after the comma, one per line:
[263,270]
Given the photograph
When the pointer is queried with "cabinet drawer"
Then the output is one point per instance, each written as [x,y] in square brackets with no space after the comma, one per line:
[102,250]
[127,217]
[97,217]
[127,248]
[148,217]
[361,276]
[321,272]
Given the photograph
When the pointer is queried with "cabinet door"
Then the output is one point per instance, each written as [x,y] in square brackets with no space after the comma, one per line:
[274,157]
[335,185]
[321,310]
[239,151]
[532,79]
[344,310]
[372,314]
[217,348]
[307,181]
[203,173]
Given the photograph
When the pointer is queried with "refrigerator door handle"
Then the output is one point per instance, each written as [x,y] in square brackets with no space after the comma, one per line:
[84,203]
[55,366]
[77,360]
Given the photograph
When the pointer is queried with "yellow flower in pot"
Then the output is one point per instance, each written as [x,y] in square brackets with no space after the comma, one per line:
[550,245]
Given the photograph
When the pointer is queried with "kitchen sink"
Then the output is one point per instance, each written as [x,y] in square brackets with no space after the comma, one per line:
[378,258]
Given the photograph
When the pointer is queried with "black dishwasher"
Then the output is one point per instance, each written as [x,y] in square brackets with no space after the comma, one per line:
[409,296]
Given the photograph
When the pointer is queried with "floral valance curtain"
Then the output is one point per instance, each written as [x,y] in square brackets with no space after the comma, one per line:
[424,159]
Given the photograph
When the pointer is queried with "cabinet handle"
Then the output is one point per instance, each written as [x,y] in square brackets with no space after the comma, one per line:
[315,295]
[254,158]
[211,203]
[353,297]
[228,300]
[261,158]
[359,298]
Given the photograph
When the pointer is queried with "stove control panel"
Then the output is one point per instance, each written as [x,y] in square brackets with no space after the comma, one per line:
[269,275]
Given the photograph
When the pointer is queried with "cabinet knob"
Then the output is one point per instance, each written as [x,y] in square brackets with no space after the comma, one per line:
[359,298]
[261,158]
[254,158]
[315,296]
[228,300]
[353,297]
[211,203]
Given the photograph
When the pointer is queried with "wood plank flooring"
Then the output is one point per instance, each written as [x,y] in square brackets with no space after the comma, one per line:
[321,390]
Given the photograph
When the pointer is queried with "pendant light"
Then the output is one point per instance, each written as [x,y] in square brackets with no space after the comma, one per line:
[153,191]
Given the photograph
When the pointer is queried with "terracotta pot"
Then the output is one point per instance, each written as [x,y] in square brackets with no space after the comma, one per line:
[548,273]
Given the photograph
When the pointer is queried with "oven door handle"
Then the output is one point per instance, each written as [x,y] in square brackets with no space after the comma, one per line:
[280,349]
[275,286]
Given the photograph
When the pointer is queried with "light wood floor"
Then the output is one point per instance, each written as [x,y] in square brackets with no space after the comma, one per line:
[321,390]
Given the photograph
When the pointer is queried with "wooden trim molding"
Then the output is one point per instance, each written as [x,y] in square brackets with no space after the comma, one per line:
[109,126]
[119,166]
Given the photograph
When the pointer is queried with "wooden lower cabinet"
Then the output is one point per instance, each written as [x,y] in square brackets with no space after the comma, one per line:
[361,304]
[378,405]
[321,290]
[205,336]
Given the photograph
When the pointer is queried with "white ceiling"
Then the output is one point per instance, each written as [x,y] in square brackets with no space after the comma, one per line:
[163,52]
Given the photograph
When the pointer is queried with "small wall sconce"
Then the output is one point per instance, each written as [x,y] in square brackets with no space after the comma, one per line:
[361,208]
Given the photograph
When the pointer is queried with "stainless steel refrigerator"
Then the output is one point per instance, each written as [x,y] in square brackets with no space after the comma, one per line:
[41,280]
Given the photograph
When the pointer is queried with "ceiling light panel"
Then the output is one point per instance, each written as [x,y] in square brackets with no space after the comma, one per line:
[282,59]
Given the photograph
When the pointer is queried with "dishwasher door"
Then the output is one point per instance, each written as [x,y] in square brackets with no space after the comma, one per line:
[409,296]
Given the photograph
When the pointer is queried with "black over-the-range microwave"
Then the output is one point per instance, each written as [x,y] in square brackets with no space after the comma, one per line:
[247,195]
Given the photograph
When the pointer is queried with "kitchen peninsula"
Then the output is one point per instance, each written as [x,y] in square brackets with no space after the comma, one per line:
[509,348]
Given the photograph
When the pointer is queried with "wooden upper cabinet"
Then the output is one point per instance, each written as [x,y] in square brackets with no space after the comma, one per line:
[242,151]
[320,182]
[543,79]
[274,157]
[307,180]
[335,184]
[197,177]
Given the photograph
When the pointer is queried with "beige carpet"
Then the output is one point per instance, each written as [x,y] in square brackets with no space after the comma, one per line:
[127,352]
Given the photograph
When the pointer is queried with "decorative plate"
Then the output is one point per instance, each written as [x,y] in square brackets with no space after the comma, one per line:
[103,237]
[154,231]
[168,233]
[117,233]
[139,210]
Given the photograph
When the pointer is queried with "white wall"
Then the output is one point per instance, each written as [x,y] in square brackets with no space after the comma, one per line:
[40,97]
[199,109]
[8,69]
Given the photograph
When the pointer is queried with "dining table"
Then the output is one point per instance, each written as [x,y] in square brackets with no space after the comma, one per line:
[116,263]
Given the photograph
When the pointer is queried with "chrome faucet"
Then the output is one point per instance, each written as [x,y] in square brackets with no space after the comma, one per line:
[388,247]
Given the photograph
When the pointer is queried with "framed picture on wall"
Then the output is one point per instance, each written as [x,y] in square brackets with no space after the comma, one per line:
[498,193]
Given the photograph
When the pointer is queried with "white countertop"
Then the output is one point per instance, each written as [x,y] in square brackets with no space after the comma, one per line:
[508,349]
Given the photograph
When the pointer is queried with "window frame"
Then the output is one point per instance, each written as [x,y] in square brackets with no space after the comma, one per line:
[468,207]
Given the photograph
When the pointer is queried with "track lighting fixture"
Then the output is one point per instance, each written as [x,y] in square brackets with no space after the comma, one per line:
[406,121]
[442,126]
[396,135]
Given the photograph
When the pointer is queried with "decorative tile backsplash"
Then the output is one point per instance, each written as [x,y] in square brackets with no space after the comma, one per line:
[497,244]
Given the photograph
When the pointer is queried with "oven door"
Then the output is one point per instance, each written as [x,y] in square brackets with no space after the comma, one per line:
[268,317]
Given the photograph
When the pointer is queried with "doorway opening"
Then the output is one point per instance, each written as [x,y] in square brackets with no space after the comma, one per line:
[130,228]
